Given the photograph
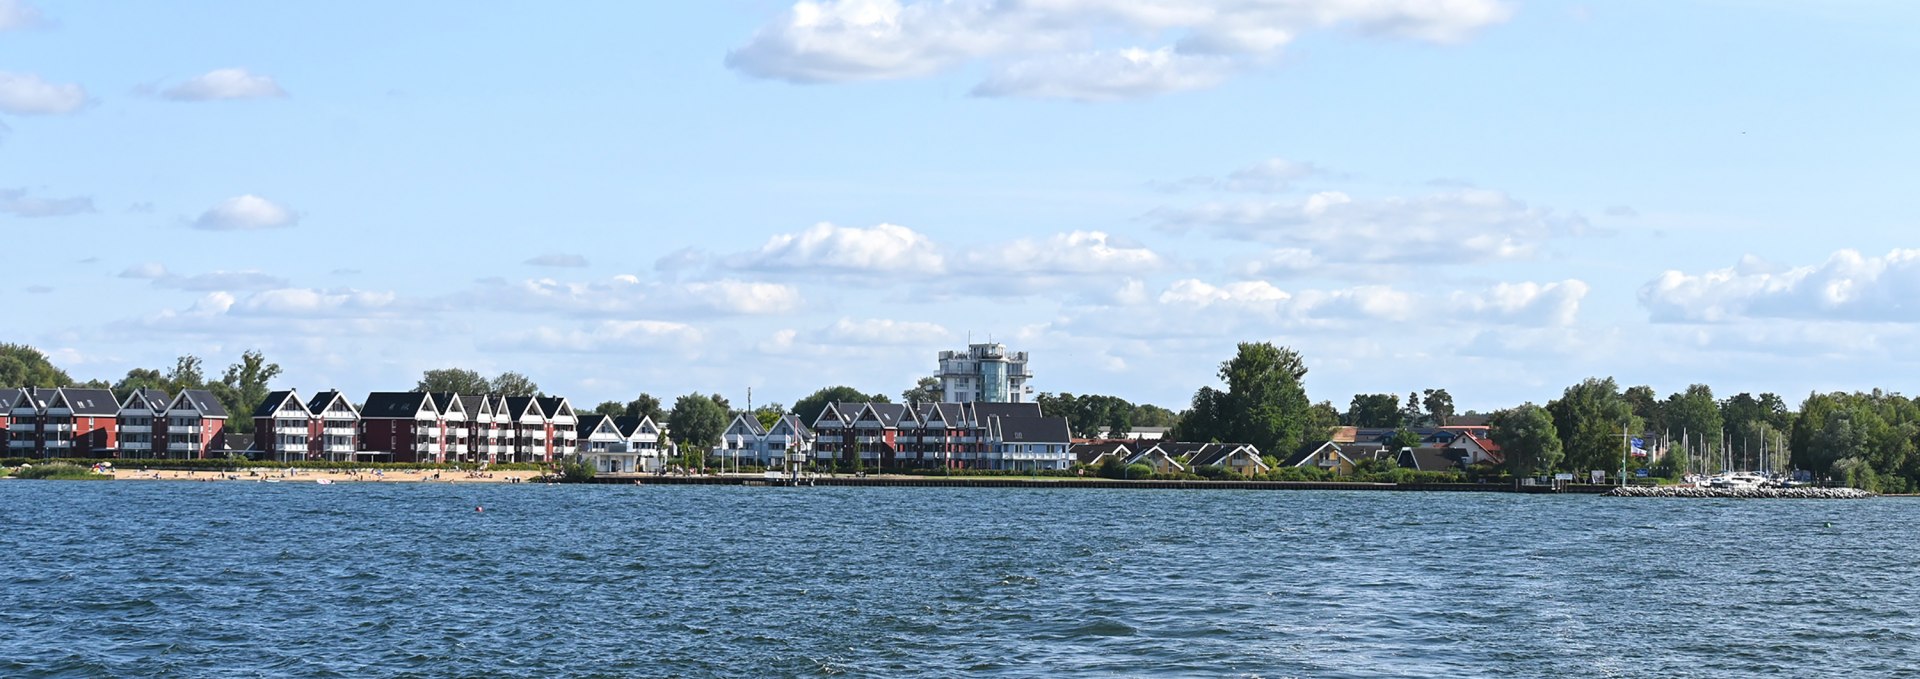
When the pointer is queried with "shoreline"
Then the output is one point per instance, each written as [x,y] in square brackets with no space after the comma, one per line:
[329,476]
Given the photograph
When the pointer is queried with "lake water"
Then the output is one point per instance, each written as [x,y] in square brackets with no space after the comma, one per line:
[140,579]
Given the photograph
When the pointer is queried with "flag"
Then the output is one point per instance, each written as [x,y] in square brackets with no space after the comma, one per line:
[1639,447]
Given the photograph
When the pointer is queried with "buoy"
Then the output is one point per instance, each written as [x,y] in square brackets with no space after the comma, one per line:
[479,508]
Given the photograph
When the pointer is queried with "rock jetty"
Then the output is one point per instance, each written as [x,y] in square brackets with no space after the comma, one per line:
[1742,493]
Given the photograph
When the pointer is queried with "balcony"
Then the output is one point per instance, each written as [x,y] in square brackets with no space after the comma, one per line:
[59,443]
[136,429]
[58,427]
[290,431]
[24,427]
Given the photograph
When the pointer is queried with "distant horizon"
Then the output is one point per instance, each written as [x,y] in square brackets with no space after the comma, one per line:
[616,198]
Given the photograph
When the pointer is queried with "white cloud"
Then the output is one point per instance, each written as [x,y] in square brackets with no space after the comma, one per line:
[558,260]
[1279,263]
[310,303]
[626,295]
[246,213]
[605,336]
[226,281]
[1527,303]
[16,202]
[147,271]
[1847,287]
[1079,252]
[1108,75]
[883,248]
[743,297]
[17,14]
[1076,49]
[27,94]
[225,83]
[882,331]
[1469,225]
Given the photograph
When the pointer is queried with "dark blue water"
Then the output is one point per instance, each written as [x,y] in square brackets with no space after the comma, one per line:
[141,579]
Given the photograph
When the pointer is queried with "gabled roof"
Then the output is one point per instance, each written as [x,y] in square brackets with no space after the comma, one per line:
[321,402]
[152,400]
[835,414]
[1430,458]
[592,424]
[892,414]
[1151,451]
[984,410]
[630,426]
[1034,430]
[7,397]
[790,423]
[396,405]
[1219,453]
[92,402]
[517,407]
[199,400]
[555,406]
[746,422]
[272,403]
[446,402]
[476,405]
[1092,453]
[1311,453]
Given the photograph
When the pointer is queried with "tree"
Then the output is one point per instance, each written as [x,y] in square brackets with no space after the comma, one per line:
[610,409]
[1374,411]
[514,384]
[25,366]
[927,390]
[646,405]
[808,409]
[139,378]
[186,374]
[1527,437]
[1149,415]
[1696,416]
[1264,405]
[769,414]
[1593,418]
[1439,404]
[244,386]
[697,421]
[455,381]
[1321,421]
[1404,438]
[1410,414]
[1646,406]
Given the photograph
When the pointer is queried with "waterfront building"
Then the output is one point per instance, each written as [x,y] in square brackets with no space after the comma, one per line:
[335,431]
[401,426]
[642,438]
[62,422]
[7,398]
[984,372]
[483,428]
[528,430]
[562,427]
[143,424]
[1239,458]
[743,442]
[977,435]
[453,417]
[1096,453]
[196,423]
[605,447]
[283,427]
[1152,455]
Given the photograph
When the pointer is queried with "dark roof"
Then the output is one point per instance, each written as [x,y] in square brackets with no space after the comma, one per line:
[1306,452]
[271,404]
[153,400]
[7,397]
[799,428]
[92,402]
[318,404]
[234,443]
[1429,459]
[517,406]
[472,403]
[551,404]
[1034,430]
[983,410]
[890,413]
[394,405]
[752,422]
[1086,453]
[1216,453]
[588,423]
[1179,448]
[202,401]
[443,401]
[629,425]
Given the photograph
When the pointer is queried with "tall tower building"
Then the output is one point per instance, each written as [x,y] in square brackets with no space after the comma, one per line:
[984,372]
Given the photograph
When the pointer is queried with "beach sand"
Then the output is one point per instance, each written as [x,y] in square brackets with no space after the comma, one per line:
[314,475]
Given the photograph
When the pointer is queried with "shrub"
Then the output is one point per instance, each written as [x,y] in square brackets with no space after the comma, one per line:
[576,471]
[60,471]
[1137,471]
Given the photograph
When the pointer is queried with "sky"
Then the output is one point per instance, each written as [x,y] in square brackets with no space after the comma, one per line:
[1495,197]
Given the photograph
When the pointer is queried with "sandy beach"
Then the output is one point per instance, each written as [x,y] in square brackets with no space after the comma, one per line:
[284,475]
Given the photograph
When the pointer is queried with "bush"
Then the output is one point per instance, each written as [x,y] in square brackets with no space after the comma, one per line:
[59,471]
[1113,468]
[577,471]
[1137,471]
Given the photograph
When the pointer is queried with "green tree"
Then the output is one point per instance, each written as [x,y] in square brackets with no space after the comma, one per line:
[646,405]
[456,381]
[514,384]
[139,378]
[1646,406]
[1375,411]
[25,366]
[697,421]
[1322,418]
[769,414]
[1149,415]
[244,386]
[1593,419]
[186,374]
[1694,416]
[1404,438]
[927,390]
[1528,439]
[610,409]
[1264,405]
[1439,405]
[1410,413]
[808,408]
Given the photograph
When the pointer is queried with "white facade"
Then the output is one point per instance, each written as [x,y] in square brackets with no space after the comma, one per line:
[984,372]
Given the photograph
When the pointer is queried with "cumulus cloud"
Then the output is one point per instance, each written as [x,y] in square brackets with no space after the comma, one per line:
[310,303]
[17,14]
[883,331]
[1848,286]
[627,295]
[1079,252]
[1468,225]
[557,260]
[28,94]
[884,248]
[1527,303]
[16,202]
[225,83]
[743,297]
[246,213]
[1076,49]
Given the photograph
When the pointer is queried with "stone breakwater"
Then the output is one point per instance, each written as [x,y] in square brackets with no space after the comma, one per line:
[1742,493]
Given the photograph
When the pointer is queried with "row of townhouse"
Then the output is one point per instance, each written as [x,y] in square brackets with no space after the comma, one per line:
[388,427]
[415,426]
[1172,457]
[76,422]
[1451,448]
[622,445]
[976,435]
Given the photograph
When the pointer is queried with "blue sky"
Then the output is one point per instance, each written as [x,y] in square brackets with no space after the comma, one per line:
[1495,197]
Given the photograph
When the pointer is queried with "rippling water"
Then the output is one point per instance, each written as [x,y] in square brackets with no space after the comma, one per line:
[187,579]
